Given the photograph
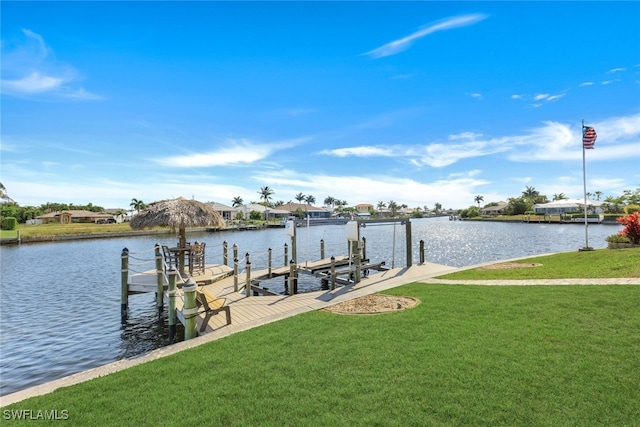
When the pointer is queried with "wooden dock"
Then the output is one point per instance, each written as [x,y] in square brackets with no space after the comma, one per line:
[254,310]
[218,281]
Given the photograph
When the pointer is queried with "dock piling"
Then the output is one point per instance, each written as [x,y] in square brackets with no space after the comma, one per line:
[286,254]
[293,285]
[269,271]
[364,247]
[124,277]
[333,273]
[160,283]
[235,274]
[321,248]
[235,251]
[190,310]
[247,286]
[407,232]
[171,292]
[225,252]
[421,252]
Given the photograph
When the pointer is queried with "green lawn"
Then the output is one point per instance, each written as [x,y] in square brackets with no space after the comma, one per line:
[466,355]
[587,264]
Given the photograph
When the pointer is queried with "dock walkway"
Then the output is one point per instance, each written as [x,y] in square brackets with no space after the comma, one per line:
[247,312]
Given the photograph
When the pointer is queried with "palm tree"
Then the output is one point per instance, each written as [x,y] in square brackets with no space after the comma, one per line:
[265,194]
[478,199]
[329,201]
[4,195]
[309,199]
[381,205]
[237,202]
[530,193]
[560,196]
[393,207]
[437,207]
[300,197]
[598,195]
[137,205]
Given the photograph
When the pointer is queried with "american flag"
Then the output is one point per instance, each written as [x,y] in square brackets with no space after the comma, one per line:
[589,137]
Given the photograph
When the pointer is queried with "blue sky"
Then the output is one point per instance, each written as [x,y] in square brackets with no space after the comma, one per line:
[415,102]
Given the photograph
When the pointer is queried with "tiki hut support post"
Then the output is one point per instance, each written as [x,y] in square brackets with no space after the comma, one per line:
[160,283]
[172,305]
[124,278]
[190,310]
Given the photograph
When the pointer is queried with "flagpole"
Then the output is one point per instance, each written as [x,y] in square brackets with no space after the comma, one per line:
[584,184]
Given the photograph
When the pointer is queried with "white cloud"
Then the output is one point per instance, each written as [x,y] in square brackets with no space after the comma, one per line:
[362,151]
[33,83]
[552,141]
[30,68]
[586,84]
[404,43]
[232,153]
[450,192]
[618,138]
[465,135]
[616,70]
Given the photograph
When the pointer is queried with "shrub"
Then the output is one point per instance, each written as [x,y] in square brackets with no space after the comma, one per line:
[617,238]
[629,209]
[631,229]
[8,223]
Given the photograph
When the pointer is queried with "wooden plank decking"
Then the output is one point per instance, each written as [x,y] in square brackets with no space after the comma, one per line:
[254,310]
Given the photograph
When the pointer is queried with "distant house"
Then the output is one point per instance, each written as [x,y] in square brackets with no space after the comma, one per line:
[264,210]
[227,212]
[559,207]
[363,210]
[308,210]
[499,209]
[72,215]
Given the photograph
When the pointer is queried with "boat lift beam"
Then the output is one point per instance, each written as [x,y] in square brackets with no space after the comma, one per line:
[404,221]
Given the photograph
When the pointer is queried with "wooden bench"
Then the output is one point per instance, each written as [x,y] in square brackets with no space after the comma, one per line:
[212,305]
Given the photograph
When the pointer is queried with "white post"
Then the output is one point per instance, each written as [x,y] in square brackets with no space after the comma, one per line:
[584,184]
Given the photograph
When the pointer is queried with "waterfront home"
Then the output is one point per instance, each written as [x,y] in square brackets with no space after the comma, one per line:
[74,215]
[311,211]
[568,206]
[226,212]
[498,209]
[277,213]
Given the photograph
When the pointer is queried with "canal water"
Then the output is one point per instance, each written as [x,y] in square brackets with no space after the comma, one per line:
[61,301]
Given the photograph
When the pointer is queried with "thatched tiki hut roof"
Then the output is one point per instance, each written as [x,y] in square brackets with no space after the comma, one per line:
[178,214]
